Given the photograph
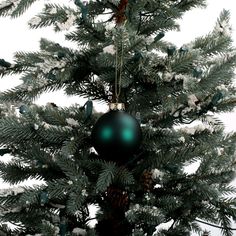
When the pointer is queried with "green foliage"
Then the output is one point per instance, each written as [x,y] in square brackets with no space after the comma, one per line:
[48,229]
[21,173]
[11,130]
[183,64]
[170,87]
[51,15]
[106,177]
[22,7]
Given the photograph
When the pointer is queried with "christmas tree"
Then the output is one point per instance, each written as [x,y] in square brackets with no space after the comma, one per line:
[130,162]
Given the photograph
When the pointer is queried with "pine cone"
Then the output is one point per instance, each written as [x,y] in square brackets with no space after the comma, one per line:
[117,197]
[147,181]
[120,14]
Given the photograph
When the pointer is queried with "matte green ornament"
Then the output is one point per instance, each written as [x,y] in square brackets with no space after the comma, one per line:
[127,135]
[106,133]
[116,135]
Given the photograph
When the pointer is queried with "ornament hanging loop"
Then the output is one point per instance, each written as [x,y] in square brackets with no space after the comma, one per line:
[119,68]
[120,21]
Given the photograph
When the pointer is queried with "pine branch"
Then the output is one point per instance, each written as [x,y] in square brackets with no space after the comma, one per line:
[22,6]
[213,225]
[52,14]
[7,6]
[106,177]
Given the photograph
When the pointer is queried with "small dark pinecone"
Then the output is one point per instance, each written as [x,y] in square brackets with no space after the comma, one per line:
[147,181]
[117,197]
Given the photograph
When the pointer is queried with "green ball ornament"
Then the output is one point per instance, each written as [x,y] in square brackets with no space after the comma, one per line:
[117,135]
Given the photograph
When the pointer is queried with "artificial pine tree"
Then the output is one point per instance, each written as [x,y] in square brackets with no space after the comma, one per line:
[122,57]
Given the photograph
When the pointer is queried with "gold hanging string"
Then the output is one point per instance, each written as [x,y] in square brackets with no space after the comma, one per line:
[119,68]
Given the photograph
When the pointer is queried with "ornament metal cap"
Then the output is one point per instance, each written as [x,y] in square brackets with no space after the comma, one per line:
[117,106]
